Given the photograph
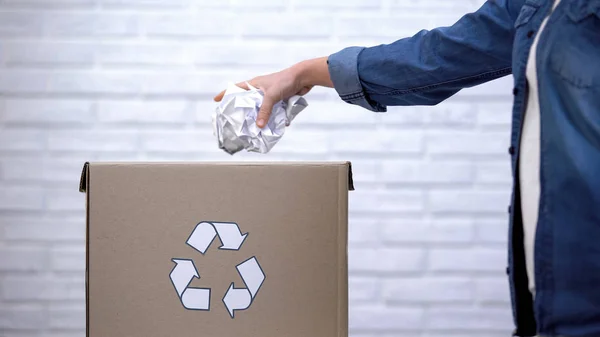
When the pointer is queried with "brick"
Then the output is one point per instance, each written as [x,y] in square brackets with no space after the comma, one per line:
[364,170]
[363,231]
[23,259]
[91,82]
[336,114]
[19,24]
[41,170]
[450,114]
[65,200]
[87,24]
[22,318]
[286,25]
[204,111]
[499,90]
[363,289]
[386,260]
[261,4]
[179,141]
[403,171]
[187,26]
[20,198]
[403,115]
[338,4]
[67,318]
[456,201]
[44,230]
[492,290]
[434,231]
[368,27]
[468,333]
[494,114]
[21,140]
[467,259]
[21,81]
[492,231]
[241,55]
[68,259]
[428,290]
[49,54]
[494,173]
[163,112]
[388,201]
[372,141]
[136,55]
[432,6]
[470,143]
[204,4]
[300,141]
[81,333]
[69,82]
[39,288]
[378,318]
[46,111]
[183,84]
[493,319]
[49,3]
[136,4]
[116,141]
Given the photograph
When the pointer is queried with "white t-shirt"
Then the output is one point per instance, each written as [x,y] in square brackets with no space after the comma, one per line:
[529,161]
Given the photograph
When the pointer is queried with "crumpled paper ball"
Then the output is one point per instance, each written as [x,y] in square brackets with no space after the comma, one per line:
[234,120]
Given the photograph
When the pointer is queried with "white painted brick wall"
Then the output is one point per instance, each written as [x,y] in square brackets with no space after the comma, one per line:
[133,80]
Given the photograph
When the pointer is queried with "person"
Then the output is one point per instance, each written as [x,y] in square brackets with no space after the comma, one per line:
[552,50]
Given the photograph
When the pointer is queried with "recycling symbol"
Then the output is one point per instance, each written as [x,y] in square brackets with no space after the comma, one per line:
[185,271]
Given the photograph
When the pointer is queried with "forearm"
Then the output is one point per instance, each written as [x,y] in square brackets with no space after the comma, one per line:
[313,72]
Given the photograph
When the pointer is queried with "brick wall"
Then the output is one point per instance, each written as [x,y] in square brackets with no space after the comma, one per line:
[133,80]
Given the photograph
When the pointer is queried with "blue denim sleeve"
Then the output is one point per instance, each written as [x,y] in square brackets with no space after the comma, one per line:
[429,67]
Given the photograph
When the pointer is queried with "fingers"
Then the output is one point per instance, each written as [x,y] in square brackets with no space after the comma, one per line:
[266,108]
[243,85]
[219,97]
[265,111]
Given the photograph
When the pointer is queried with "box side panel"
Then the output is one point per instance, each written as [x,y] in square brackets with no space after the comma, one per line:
[84,187]
[142,218]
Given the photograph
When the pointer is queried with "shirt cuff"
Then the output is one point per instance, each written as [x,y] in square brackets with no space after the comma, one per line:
[343,71]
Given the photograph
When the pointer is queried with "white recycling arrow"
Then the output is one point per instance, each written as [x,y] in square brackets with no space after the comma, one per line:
[181,276]
[205,232]
[230,234]
[237,299]
[241,298]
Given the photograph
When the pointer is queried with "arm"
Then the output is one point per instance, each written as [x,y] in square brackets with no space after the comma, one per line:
[424,69]
[429,67]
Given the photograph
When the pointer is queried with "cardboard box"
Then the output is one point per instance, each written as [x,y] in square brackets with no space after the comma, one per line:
[217,249]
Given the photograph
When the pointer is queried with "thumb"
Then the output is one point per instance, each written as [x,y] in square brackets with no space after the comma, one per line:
[265,111]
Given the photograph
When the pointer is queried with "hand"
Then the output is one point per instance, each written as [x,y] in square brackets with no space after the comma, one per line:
[296,80]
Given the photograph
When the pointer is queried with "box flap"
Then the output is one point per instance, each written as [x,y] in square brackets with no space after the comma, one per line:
[350,178]
[83,180]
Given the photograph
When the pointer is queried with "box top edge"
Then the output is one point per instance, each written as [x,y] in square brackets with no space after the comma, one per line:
[219,163]
[83,179]
[83,182]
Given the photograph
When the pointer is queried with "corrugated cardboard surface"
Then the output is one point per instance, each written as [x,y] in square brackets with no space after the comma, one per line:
[140,216]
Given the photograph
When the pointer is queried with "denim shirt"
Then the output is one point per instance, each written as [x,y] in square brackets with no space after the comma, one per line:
[492,42]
